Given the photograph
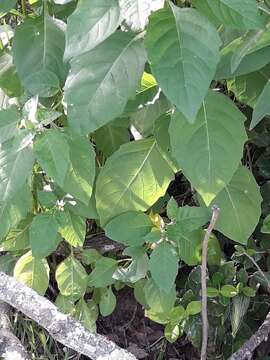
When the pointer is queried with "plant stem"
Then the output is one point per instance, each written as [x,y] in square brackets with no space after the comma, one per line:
[207,235]
[23,6]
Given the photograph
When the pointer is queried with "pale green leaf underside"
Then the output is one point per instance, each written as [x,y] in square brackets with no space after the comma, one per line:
[238,14]
[96,94]
[183,48]
[133,179]
[89,25]
[240,206]
[216,140]
[33,272]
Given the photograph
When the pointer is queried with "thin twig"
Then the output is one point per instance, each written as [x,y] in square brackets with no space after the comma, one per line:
[207,235]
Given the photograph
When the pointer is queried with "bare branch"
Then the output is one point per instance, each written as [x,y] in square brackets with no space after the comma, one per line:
[207,235]
[62,328]
[10,347]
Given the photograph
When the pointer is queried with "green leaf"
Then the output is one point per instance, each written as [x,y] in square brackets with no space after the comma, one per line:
[7,5]
[262,107]
[8,124]
[266,225]
[119,184]
[240,206]
[164,266]
[172,208]
[73,229]
[52,152]
[43,235]
[240,306]
[71,278]
[16,162]
[129,228]
[65,304]
[18,238]
[38,50]
[194,307]
[228,291]
[7,263]
[216,139]
[189,244]
[248,291]
[102,275]
[214,255]
[15,210]
[212,292]
[172,332]
[110,137]
[136,12]
[90,256]
[90,24]
[238,14]
[87,314]
[107,302]
[182,61]
[9,80]
[33,272]
[189,218]
[158,300]
[97,94]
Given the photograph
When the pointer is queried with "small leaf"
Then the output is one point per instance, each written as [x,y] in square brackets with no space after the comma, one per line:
[172,208]
[212,292]
[71,278]
[65,304]
[248,291]
[129,228]
[164,266]
[73,229]
[52,152]
[194,308]
[43,235]
[33,272]
[90,256]
[228,291]
[266,225]
[172,332]
[102,275]
[107,302]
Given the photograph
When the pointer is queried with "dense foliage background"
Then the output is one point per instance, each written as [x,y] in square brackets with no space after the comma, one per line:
[133,118]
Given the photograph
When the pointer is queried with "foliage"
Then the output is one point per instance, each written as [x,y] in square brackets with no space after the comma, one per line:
[104,106]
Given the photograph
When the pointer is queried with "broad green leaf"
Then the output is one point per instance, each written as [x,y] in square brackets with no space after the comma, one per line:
[110,137]
[136,12]
[43,235]
[133,179]
[16,162]
[90,256]
[18,237]
[189,244]
[38,50]
[172,332]
[80,176]
[9,80]
[7,5]
[73,229]
[33,272]
[189,218]
[158,300]
[129,228]
[87,314]
[183,48]
[136,270]
[78,208]
[107,302]
[97,94]
[52,152]
[194,307]
[71,278]
[238,14]
[15,210]
[163,266]
[262,107]
[216,139]
[8,124]
[90,24]
[65,304]
[102,275]
[240,206]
